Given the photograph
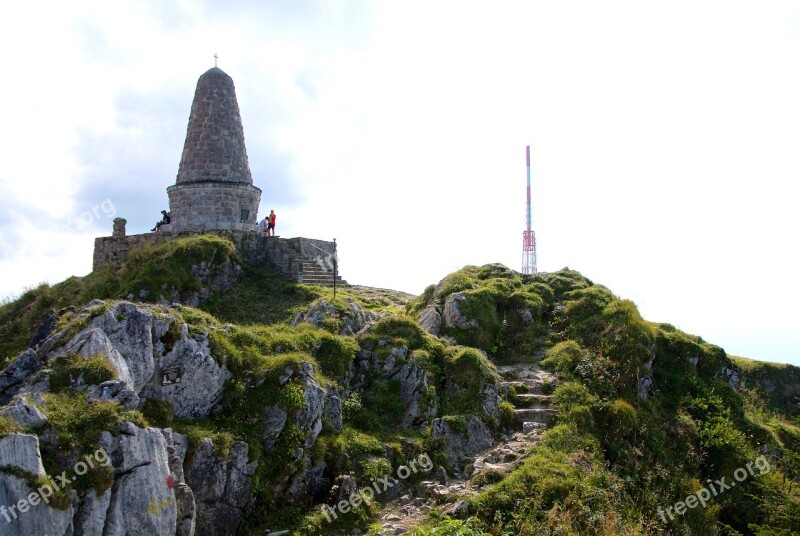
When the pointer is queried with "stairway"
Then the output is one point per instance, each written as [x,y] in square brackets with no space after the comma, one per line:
[313,274]
[532,385]
[300,261]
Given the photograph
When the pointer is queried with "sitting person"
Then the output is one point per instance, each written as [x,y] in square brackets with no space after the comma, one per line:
[166,218]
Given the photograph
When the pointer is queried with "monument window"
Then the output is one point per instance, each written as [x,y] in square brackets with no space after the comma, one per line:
[245,215]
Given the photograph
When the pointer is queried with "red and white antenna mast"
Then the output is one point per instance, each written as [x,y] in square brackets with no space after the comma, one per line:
[528,236]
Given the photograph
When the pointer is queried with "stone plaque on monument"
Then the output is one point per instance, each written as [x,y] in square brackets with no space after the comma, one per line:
[171,375]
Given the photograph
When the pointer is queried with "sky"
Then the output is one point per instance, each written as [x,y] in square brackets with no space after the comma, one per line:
[664,140]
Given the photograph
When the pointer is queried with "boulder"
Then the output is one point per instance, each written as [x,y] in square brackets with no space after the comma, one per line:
[333,411]
[113,391]
[24,413]
[274,421]
[431,320]
[188,378]
[130,331]
[12,377]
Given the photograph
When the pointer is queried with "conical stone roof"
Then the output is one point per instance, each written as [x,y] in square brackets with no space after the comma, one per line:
[214,149]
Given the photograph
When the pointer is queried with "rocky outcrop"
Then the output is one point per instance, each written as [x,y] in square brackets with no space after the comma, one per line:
[142,498]
[139,342]
[24,413]
[462,443]
[431,320]
[201,378]
[452,315]
[25,509]
[14,376]
[354,320]
[221,487]
[398,364]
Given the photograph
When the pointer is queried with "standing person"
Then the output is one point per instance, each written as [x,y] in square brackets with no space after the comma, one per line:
[262,225]
[271,222]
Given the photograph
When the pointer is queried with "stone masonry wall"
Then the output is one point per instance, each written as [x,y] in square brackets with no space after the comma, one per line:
[253,247]
[209,205]
[214,148]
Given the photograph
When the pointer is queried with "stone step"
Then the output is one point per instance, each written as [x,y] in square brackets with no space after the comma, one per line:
[326,282]
[540,415]
[529,387]
[531,399]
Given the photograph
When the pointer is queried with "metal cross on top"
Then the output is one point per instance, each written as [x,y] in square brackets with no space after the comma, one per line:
[215,59]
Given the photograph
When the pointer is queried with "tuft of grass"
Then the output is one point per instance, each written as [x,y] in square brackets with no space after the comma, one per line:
[262,296]
[69,369]
[168,265]
[8,426]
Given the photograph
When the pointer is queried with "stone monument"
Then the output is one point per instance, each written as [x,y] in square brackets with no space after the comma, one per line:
[214,189]
[214,193]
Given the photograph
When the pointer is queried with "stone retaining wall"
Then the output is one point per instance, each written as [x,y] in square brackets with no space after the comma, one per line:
[288,255]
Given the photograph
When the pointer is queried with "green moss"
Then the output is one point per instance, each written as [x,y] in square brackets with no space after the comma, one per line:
[261,296]
[158,412]
[335,353]
[467,371]
[78,426]
[416,306]
[8,426]
[60,497]
[168,265]
[222,441]
[72,368]
[506,415]
[400,330]
[564,358]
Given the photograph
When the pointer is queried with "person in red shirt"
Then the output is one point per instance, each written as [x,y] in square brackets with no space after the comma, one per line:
[271,223]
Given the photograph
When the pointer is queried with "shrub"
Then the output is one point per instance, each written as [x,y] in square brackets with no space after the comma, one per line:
[563,358]
[401,328]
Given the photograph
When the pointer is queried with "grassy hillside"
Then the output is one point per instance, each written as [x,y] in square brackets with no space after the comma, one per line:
[648,421]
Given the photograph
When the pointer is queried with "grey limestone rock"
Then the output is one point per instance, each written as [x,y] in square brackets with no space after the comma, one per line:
[221,487]
[142,497]
[21,451]
[91,517]
[308,482]
[491,400]
[130,331]
[24,413]
[22,516]
[113,391]
[93,342]
[201,382]
[452,312]
[12,377]
[645,387]
[274,421]
[431,320]
[333,411]
[461,445]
